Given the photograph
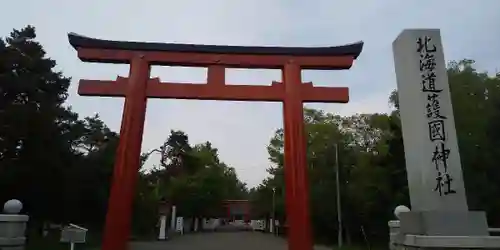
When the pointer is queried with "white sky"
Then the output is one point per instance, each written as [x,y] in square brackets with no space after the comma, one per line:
[241,131]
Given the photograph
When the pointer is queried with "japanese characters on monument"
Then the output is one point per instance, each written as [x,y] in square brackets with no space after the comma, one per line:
[436,121]
[432,156]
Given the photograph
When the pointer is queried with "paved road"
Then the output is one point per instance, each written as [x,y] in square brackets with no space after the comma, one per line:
[218,241]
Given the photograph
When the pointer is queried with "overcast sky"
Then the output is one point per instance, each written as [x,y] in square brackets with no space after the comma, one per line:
[241,130]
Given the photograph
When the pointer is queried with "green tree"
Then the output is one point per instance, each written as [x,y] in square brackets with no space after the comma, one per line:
[371,157]
[58,165]
[191,177]
[476,97]
[35,144]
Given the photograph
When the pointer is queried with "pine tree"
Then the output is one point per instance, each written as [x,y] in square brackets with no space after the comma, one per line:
[34,147]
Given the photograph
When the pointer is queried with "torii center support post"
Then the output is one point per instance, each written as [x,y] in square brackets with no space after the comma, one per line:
[139,86]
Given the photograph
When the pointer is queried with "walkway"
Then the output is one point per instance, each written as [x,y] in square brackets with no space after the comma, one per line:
[218,241]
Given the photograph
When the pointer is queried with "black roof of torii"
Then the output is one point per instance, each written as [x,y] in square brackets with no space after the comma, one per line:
[79,41]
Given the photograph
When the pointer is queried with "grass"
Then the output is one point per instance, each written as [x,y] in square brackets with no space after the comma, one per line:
[52,242]
[56,245]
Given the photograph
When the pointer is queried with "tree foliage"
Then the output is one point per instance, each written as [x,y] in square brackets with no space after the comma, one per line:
[60,165]
[371,158]
[193,177]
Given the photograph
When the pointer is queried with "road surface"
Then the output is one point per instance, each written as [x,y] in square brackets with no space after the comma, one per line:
[218,241]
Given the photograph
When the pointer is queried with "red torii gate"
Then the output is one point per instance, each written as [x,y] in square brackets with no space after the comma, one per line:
[242,204]
[139,86]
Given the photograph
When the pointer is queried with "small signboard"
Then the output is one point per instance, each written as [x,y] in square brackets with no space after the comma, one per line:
[258,225]
[73,234]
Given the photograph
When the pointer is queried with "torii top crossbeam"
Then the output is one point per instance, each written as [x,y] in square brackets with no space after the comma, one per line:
[216,58]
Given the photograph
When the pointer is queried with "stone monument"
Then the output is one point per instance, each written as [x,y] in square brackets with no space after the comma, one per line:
[12,226]
[164,210]
[179,225]
[173,218]
[162,234]
[437,193]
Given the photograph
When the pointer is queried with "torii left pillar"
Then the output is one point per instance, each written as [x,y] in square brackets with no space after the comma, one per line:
[126,161]
[138,87]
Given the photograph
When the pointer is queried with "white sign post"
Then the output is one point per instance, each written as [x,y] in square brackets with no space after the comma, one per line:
[173,218]
[73,234]
[196,222]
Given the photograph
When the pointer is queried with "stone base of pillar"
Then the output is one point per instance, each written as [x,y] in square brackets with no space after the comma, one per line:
[442,229]
[393,233]
[450,242]
[12,243]
[13,226]
[450,223]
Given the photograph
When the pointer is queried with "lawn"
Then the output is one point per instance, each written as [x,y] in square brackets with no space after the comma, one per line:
[52,242]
